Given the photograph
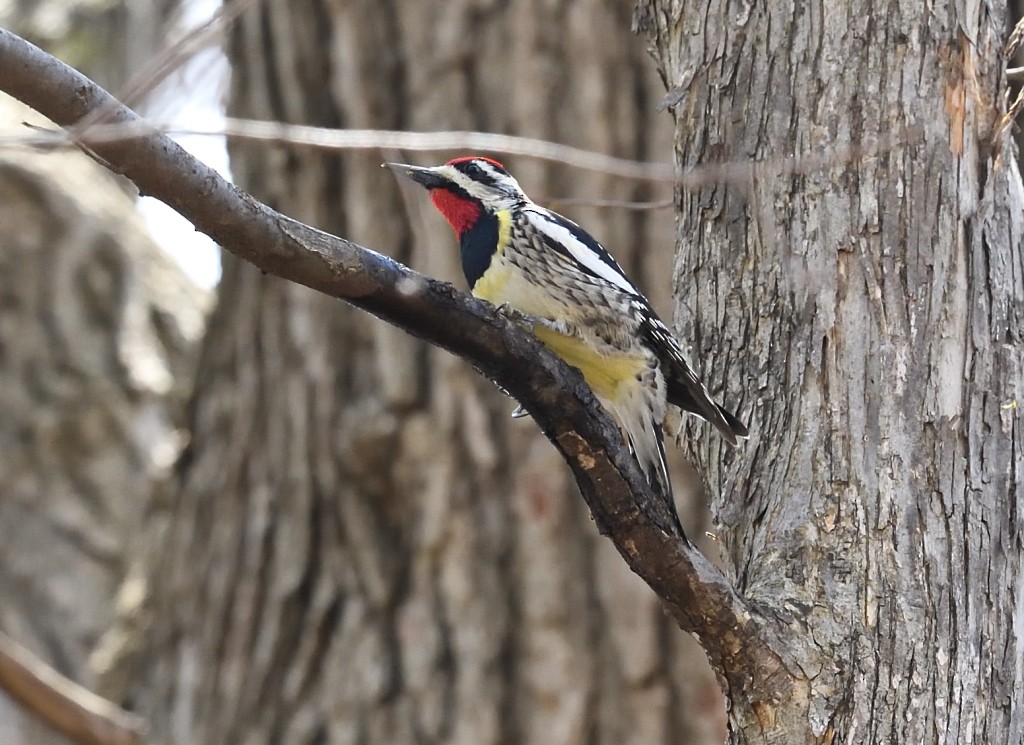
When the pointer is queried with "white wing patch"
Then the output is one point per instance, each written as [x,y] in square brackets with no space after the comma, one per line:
[580,251]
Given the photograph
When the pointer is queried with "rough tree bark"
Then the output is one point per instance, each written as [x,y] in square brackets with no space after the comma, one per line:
[872,312]
[365,548]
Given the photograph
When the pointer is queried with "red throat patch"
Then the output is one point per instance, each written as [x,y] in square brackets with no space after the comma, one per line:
[461,213]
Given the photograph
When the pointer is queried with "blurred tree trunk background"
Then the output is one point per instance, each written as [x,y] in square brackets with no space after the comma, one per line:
[359,544]
[364,547]
[99,334]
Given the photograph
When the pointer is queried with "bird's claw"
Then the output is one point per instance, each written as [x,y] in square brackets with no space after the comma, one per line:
[515,315]
[531,321]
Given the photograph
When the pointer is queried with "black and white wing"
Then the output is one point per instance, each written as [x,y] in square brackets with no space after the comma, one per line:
[684,388]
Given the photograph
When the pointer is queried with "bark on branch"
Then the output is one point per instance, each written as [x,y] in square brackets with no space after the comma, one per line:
[62,704]
[738,641]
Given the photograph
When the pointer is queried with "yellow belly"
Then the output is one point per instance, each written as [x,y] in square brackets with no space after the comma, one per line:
[603,373]
[502,283]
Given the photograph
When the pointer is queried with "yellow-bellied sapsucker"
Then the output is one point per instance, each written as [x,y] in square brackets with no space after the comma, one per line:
[576,298]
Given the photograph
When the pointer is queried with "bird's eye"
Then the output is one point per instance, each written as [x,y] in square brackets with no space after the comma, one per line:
[473,170]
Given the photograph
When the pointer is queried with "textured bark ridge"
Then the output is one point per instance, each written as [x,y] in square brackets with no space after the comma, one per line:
[365,547]
[871,312]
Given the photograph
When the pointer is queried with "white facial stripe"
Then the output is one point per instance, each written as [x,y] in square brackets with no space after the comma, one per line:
[502,180]
[461,180]
[581,252]
[476,189]
[489,170]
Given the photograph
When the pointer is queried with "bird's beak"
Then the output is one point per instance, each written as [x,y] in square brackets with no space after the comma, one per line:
[427,177]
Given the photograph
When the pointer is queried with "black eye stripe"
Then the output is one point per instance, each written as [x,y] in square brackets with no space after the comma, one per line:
[480,173]
[461,193]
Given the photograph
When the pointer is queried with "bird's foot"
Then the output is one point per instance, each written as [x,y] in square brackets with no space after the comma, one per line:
[517,316]
[531,321]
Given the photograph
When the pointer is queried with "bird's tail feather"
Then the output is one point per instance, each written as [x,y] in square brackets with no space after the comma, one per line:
[691,396]
[643,431]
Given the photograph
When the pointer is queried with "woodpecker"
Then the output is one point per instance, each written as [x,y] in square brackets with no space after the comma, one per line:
[561,282]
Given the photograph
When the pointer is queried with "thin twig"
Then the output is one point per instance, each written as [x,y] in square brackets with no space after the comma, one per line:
[1016,38]
[172,58]
[692,178]
[1007,119]
[61,704]
[699,176]
[296,135]
[624,204]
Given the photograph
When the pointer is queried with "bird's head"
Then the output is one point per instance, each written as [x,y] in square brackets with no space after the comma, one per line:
[464,189]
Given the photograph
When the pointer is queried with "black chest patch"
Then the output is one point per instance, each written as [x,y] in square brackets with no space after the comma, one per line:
[477,246]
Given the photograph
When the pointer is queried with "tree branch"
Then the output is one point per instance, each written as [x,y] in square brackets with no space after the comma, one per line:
[737,640]
[62,704]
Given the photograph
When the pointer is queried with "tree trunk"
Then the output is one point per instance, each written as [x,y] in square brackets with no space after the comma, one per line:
[98,335]
[869,312]
[365,548]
